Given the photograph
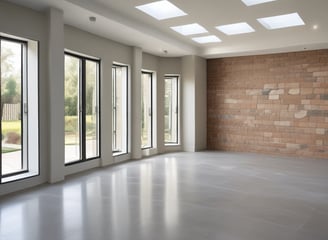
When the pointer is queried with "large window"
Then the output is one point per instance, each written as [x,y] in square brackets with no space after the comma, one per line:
[146,110]
[171,115]
[81,108]
[19,109]
[120,109]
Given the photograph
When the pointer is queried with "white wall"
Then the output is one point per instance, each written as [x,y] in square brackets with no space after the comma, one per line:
[188,104]
[32,25]
[200,104]
[56,96]
[109,52]
[167,66]
[194,103]
[53,37]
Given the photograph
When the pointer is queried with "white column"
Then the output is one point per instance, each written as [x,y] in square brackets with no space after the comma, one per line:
[193,103]
[106,115]
[200,104]
[160,92]
[136,103]
[56,95]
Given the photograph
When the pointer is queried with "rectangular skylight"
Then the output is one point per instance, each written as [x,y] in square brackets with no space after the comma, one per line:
[207,39]
[189,29]
[161,10]
[255,2]
[236,28]
[281,21]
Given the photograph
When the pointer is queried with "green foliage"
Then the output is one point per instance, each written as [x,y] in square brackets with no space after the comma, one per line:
[72,69]
[72,125]
[71,106]
[10,93]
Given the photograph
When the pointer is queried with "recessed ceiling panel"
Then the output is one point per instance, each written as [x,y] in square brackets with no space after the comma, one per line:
[189,29]
[255,2]
[207,39]
[236,28]
[161,10]
[282,21]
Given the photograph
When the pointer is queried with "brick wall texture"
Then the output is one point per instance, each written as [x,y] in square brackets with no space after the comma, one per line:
[275,104]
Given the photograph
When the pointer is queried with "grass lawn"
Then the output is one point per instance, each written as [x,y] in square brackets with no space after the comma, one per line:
[8,150]
[71,125]
[11,126]
[71,129]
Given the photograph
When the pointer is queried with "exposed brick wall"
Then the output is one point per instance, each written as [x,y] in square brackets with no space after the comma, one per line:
[276,104]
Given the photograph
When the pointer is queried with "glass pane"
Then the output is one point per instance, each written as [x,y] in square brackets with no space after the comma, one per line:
[146,110]
[171,110]
[11,121]
[120,109]
[91,105]
[72,116]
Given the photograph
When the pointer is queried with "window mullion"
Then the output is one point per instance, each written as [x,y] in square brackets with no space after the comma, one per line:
[0,114]
[24,110]
[83,110]
[151,110]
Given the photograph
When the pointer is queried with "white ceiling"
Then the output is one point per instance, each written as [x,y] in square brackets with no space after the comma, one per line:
[121,21]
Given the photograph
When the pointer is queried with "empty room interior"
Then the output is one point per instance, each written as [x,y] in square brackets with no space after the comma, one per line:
[164,120]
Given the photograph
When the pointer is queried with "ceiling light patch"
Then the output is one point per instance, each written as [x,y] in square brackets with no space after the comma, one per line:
[161,10]
[235,28]
[190,29]
[207,39]
[281,21]
[255,2]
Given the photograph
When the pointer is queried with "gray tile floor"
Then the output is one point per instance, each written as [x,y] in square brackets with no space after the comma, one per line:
[191,196]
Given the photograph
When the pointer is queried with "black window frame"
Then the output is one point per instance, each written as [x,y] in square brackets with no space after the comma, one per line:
[114,66]
[152,109]
[23,73]
[82,83]
[177,109]
[24,110]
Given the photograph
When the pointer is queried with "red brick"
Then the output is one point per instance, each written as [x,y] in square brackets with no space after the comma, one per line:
[241,88]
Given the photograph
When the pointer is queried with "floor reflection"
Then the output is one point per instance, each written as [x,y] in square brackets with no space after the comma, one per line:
[146,195]
[171,193]
[177,196]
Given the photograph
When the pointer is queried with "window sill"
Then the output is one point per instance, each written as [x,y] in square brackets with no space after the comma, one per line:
[19,177]
[116,154]
[172,144]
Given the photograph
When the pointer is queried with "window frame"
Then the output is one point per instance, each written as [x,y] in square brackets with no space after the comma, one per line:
[177,77]
[82,112]
[26,68]
[151,74]
[114,66]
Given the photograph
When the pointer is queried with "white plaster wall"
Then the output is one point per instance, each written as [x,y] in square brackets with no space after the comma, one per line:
[108,52]
[32,25]
[194,103]
[56,96]
[167,66]
[136,99]
[188,104]
[200,104]
[38,26]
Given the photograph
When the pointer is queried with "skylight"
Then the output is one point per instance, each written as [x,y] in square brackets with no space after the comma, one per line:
[281,21]
[161,10]
[236,28]
[189,29]
[255,2]
[207,39]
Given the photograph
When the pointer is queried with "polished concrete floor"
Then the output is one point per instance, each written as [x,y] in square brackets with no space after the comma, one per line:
[181,196]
